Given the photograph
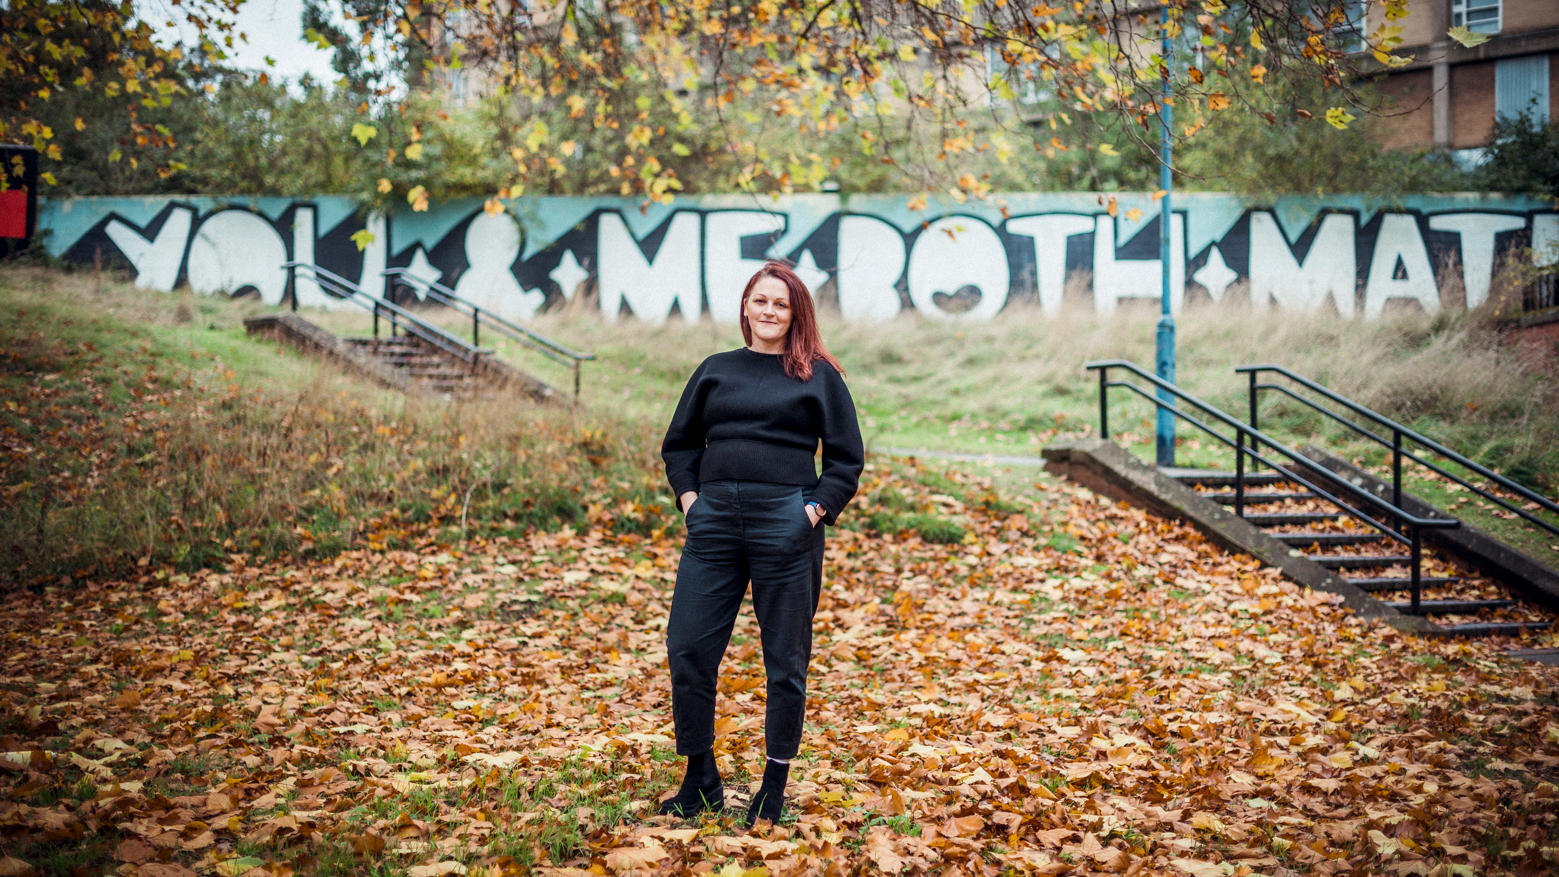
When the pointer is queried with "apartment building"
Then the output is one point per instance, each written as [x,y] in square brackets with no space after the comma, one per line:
[1450,95]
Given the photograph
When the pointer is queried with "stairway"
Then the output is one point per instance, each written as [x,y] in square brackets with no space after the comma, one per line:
[1365,557]
[427,367]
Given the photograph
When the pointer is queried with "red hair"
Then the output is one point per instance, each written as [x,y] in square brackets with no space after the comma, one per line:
[803,344]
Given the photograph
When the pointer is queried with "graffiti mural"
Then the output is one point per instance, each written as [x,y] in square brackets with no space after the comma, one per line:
[870,256]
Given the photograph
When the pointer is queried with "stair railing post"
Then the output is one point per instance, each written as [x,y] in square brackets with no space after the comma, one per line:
[1104,403]
[1164,342]
[1254,426]
[1417,562]
[1239,472]
[292,284]
[376,321]
[576,380]
[1396,471]
[476,327]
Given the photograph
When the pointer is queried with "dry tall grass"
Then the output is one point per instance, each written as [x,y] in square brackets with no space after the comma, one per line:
[135,432]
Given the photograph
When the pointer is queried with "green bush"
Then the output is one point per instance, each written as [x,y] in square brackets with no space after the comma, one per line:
[1523,157]
[1244,153]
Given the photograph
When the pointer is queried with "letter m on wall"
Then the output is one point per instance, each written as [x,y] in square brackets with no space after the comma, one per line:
[1328,269]
[651,284]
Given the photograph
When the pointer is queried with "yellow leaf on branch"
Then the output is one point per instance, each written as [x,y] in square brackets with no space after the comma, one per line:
[1467,37]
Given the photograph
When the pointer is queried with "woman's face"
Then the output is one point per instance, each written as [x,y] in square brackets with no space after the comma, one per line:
[768,315]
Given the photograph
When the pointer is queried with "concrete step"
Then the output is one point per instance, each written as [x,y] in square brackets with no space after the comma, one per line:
[1217,478]
[1338,561]
[385,343]
[1253,498]
[1399,583]
[1450,607]
[1508,628]
[1284,519]
[1327,538]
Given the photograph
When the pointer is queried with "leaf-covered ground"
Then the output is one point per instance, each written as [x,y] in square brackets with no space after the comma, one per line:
[1074,687]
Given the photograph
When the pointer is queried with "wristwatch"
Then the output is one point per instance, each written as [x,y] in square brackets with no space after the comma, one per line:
[819,506]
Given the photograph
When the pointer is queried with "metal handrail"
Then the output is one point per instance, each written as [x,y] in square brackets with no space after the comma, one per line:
[1398,433]
[398,316]
[1414,523]
[479,316]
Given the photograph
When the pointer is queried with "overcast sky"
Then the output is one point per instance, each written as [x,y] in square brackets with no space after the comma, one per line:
[275,29]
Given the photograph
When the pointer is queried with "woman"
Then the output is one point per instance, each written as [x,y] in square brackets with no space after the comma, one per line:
[739,455]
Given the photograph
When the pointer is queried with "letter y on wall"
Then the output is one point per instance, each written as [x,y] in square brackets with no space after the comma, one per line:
[156,261]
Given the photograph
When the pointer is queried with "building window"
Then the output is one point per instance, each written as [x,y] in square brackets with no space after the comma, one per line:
[1476,15]
[1521,87]
[1350,32]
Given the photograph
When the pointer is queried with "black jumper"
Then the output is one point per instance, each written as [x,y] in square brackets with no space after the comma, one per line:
[744,436]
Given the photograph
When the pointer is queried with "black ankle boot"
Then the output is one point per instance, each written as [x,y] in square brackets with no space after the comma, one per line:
[769,803]
[701,789]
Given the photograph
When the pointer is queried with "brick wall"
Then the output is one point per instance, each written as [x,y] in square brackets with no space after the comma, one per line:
[1526,15]
[1410,123]
[1553,87]
[1472,105]
[1417,28]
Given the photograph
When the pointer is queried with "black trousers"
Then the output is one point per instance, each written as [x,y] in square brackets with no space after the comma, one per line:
[741,531]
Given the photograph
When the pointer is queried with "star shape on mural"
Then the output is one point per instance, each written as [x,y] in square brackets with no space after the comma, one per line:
[422,270]
[1215,275]
[568,275]
[810,274]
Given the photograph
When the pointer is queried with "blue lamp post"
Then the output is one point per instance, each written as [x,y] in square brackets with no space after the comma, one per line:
[1165,352]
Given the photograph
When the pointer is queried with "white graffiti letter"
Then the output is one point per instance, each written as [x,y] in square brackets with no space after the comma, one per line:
[1545,239]
[234,249]
[1477,232]
[1050,233]
[1400,243]
[492,245]
[649,286]
[953,253]
[1115,279]
[304,285]
[871,258]
[1330,267]
[726,272]
[376,256]
[156,261]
